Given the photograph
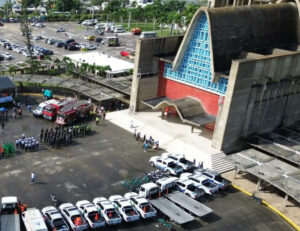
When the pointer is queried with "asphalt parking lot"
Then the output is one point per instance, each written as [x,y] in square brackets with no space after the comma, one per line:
[98,164]
[11,32]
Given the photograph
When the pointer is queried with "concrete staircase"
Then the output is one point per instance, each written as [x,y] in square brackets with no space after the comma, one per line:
[220,164]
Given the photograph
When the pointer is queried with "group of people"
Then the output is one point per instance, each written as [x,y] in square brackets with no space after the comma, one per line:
[56,137]
[146,142]
[100,113]
[27,143]
[17,111]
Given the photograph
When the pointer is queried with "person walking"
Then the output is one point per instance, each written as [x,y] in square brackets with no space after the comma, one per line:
[29,108]
[33,176]
[145,146]
[97,120]
[2,125]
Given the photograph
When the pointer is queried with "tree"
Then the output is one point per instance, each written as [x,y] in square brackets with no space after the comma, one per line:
[7,7]
[138,14]
[189,12]
[83,67]
[97,2]
[63,5]
[26,32]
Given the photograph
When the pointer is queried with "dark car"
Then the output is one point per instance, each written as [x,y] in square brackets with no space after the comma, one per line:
[1,57]
[60,44]
[72,46]
[99,32]
[1,24]
[98,40]
[69,41]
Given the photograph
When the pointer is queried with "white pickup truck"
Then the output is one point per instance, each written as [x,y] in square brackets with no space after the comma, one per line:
[108,210]
[90,214]
[179,160]
[141,204]
[201,181]
[166,164]
[125,208]
[10,218]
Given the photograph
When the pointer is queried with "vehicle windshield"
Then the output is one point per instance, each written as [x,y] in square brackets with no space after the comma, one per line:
[39,108]
[49,109]
[129,211]
[112,214]
[95,217]
[207,183]
[61,116]
[171,165]
[219,178]
[183,160]
[191,187]
[59,223]
[146,207]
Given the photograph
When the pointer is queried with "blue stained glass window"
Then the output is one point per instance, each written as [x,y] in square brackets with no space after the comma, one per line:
[195,68]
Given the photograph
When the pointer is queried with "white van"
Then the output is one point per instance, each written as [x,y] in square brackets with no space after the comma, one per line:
[33,220]
[148,34]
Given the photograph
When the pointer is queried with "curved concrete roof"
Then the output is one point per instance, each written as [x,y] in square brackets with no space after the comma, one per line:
[256,28]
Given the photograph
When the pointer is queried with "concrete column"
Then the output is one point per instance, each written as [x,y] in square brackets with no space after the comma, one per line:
[258,185]
[285,200]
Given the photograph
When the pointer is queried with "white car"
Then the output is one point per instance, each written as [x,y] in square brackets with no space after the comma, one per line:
[60,29]
[108,211]
[39,110]
[180,160]
[190,188]
[73,217]
[141,204]
[202,182]
[54,219]
[216,178]
[7,56]
[90,214]
[125,208]
[166,164]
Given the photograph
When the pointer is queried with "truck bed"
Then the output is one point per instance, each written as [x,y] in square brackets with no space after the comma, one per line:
[10,222]
[171,210]
[189,203]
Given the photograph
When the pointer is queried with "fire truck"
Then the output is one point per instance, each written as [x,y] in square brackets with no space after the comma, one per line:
[68,115]
[50,111]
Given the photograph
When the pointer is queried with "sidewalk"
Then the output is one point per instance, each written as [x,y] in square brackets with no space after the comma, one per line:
[173,135]
[248,183]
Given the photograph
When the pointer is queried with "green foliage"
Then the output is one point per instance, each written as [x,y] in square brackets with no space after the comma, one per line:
[53,72]
[63,5]
[97,2]
[102,70]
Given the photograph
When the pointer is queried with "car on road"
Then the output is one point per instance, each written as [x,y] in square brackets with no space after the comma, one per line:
[1,24]
[166,164]
[7,56]
[98,40]
[37,37]
[118,30]
[39,25]
[141,204]
[108,210]
[90,214]
[136,31]
[125,53]
[90,37]
[207,185]
[1,57]
[59,43]
[189,188]
[100,31]
[216,178]
[91,47]
[72,215]
[125,208]
[180,160]
[60,29]
[54,219]
[72,46]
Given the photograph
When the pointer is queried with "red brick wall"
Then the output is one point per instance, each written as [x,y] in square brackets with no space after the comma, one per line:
[176,90]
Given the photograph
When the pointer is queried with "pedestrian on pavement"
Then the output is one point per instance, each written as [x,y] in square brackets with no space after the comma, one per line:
[32,178]
[200,166]
[134,133]
[2,125]
[104,115]
[29,108]
[145,146]
[14,114]
[97,120]
[144,138]
[131,124]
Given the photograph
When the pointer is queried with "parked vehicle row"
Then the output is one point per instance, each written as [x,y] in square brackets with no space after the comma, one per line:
[208,181]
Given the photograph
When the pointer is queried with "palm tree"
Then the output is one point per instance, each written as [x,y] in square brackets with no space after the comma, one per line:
[83,67]
[92,68]
[69,68]
[12,69]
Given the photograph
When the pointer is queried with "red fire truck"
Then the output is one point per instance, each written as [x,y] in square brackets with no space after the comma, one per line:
[50,111]
[69,115]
